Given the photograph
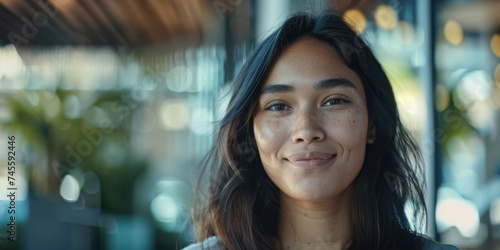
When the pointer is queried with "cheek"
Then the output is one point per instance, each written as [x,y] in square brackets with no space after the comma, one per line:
[270,135]
[350,128]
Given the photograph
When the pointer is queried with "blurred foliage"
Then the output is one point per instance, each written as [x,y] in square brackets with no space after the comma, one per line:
[53,123]
[453,123]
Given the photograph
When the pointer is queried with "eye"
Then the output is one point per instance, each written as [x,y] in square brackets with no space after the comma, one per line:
[336,101]
[278,107]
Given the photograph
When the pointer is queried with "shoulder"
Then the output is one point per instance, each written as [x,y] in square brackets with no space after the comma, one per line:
[429,244]
[211,243]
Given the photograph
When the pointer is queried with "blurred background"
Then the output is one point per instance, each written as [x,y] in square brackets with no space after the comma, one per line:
[112,105]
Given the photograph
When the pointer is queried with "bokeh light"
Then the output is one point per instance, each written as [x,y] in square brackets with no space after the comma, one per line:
[11,64]
[406,32]
[385,17]
[451,210]
[356,19]
[453,32]
[174,114]
[472,87]
[495,44]
[481,114]
[164,208]
[179,79]
[442,98]
[71,106]
[459,213]
[70,189]
[170,203]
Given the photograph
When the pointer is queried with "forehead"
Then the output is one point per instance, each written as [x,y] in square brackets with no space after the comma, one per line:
[308,61]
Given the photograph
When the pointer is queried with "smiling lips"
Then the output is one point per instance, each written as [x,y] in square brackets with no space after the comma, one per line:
[310,160]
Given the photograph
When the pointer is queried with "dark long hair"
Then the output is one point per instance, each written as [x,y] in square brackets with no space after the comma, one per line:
[236,200]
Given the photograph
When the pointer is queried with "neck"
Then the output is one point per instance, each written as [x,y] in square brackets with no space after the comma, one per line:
[309,225]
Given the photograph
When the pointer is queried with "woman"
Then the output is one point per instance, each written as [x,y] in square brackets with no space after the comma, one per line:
[311,153]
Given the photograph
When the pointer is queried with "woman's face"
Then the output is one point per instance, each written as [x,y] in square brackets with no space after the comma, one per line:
[311,122]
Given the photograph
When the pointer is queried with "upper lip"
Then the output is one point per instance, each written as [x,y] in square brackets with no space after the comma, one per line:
[307,156]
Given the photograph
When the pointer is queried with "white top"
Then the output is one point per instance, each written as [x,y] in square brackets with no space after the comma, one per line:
[212,243]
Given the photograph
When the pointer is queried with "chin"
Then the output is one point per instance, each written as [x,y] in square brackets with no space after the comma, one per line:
[315,190]
[313,194]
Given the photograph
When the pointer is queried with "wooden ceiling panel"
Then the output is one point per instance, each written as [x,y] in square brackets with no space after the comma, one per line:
[100,22]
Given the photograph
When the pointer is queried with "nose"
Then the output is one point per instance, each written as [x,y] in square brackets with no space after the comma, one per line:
[308,127]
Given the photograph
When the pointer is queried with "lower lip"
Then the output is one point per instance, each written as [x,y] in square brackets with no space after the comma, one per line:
[312,164]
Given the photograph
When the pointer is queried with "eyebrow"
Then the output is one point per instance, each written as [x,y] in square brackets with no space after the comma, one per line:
[323,84]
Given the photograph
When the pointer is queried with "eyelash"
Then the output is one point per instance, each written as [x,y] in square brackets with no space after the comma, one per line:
[333,98]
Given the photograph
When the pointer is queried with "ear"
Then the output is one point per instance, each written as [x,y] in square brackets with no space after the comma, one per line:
[372,133]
